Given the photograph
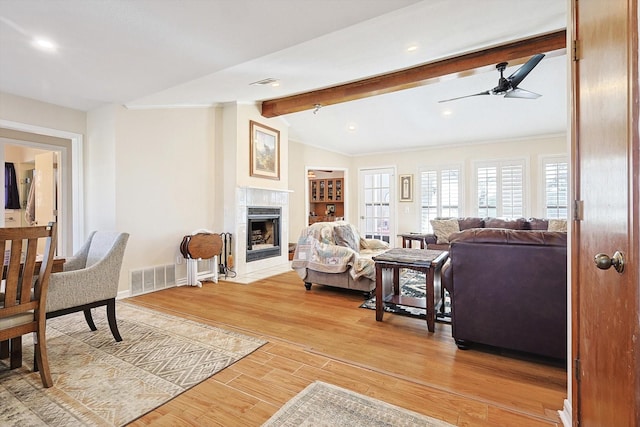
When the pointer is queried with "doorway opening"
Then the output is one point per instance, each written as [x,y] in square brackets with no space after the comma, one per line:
[326,192]
[36,180]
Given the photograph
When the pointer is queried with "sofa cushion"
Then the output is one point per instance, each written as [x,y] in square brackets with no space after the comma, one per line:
[347,235]
[538,224]
[510,224]
[470,222]
[510,237]
[558,225]
[442,228]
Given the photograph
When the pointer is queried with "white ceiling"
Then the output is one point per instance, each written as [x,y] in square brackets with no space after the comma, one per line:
[182,53]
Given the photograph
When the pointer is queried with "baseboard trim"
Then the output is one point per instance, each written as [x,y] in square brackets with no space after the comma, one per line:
[566,414]
[123,294]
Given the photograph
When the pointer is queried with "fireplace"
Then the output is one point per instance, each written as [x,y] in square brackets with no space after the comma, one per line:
[263,232]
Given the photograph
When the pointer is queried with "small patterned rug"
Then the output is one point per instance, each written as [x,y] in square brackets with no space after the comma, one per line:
[100,382]
[412,284]
[326,405]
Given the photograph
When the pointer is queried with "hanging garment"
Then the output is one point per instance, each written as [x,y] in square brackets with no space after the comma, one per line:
[11,195]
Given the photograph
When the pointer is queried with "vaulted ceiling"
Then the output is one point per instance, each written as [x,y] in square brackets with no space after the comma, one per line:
[170,53]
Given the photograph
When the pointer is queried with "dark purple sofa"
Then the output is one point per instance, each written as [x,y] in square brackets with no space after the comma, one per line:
[509,289]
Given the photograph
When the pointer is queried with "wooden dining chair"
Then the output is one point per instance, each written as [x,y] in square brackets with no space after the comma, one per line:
[21,310]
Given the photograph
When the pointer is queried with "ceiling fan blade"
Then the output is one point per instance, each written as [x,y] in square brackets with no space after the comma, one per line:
[522,72]
[521,93]
[486,92]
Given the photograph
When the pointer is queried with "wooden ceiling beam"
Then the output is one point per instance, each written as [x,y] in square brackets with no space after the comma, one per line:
[415,76]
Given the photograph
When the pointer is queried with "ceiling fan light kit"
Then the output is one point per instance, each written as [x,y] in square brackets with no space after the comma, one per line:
[508,87]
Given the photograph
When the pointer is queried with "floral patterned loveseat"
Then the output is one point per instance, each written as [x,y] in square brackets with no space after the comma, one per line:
[334,254]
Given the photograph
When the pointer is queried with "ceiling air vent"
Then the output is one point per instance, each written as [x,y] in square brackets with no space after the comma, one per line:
[264,82]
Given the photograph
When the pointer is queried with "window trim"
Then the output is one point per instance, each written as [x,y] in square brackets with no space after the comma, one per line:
[499,164]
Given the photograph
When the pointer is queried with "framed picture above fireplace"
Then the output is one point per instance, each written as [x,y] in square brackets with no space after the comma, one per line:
[264,151]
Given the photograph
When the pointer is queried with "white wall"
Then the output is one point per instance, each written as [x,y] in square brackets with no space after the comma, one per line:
[100,169]
[162,177]
[235,168]
[36,113]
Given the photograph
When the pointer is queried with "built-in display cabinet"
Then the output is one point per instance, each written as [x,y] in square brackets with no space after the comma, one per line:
[326,199]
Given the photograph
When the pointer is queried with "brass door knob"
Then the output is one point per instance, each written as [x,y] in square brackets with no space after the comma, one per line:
[603,262]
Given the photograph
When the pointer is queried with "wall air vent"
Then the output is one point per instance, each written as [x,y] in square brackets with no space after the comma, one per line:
[152,279]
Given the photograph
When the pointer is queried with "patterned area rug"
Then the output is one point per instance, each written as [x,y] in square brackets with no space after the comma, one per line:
[100,382]
[322,404]
[412,284]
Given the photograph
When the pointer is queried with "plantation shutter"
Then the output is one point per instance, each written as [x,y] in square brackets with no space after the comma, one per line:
[556,176]
[512,191]
[450,192]
[429,199]
[487,188]
[439,195]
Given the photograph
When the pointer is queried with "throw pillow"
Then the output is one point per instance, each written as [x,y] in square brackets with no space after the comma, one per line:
[346,235]
[558,225]
[443,228]
[373,244]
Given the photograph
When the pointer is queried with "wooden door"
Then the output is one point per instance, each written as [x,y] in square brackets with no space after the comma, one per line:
[376,196]
[605,303]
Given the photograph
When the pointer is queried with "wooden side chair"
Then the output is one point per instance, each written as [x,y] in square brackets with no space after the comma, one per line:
[21,310]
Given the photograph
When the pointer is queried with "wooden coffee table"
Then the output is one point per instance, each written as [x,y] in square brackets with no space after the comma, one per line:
[428,261]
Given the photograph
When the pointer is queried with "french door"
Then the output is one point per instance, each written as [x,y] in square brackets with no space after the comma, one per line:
[376,198]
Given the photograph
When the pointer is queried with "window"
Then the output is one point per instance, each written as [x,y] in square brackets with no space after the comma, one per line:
[556,187]
[500,189]
[439,195]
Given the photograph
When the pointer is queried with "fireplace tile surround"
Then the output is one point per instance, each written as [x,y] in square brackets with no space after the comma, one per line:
[252,196]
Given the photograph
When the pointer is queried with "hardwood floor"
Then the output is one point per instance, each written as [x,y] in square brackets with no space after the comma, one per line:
[322,334]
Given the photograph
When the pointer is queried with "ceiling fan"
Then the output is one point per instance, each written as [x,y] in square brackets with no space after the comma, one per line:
[509,86]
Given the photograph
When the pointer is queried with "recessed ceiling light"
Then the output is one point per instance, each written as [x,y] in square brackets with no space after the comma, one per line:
[352,127]
[447,113]
[412,48]
[44,44]
[275,84]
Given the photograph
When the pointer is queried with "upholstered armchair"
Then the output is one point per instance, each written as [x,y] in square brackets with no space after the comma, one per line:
[90,279]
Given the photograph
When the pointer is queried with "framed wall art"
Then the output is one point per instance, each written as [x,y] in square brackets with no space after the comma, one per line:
[264,151]
[406,188]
